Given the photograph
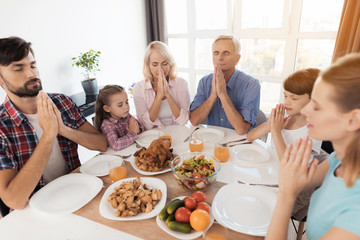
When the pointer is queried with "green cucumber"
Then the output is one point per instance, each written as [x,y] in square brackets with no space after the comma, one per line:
[170,218]
[175,204]
[163,214]
[179,226]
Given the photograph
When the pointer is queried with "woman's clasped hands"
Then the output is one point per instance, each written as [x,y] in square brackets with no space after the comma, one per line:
[163,90]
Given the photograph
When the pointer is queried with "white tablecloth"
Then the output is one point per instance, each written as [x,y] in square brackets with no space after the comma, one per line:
[30,224]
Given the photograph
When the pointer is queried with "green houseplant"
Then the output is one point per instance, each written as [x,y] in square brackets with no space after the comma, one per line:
[89,62]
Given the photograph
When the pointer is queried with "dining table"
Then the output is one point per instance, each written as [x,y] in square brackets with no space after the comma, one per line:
[88,223]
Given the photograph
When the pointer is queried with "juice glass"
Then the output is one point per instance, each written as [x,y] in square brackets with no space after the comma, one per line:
[117,170]
[196,145]
[222,153]
[216,232]
[167,137]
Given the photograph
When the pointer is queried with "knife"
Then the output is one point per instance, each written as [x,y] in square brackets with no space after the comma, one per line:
[234,144]
[259,184]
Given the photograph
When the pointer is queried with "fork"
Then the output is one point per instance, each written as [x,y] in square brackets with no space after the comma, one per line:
[122,156]
[138,145]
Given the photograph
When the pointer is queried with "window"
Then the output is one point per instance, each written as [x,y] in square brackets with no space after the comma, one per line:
[277,37]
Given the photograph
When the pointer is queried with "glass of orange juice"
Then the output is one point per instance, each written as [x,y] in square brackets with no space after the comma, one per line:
[222,153]
[216,232]
[117,170]
[196,145]
[167,137]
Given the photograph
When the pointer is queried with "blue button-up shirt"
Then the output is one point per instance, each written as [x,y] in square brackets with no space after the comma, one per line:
[244,92]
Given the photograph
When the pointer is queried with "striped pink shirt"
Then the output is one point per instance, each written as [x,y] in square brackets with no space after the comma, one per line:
[117,136]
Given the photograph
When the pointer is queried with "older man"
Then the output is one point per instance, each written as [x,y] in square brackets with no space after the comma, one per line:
[228,97]
[39,132]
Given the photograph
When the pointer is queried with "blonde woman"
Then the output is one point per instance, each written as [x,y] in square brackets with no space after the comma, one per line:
[162,98]
[332,114]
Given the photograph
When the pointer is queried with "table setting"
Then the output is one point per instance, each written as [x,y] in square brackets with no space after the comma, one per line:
[241,189]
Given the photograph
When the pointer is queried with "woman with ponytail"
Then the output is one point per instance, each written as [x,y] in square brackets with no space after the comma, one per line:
[332,114]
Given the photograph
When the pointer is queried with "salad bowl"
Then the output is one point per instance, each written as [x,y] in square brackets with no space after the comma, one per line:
[195,171]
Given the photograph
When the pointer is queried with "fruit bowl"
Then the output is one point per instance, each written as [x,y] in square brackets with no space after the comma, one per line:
[195,171]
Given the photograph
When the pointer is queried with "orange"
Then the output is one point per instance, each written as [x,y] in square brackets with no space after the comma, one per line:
[222,153]
[199,220]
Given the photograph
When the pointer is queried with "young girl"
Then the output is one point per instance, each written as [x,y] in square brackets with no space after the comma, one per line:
[297,92]
[113,119]
[332,114]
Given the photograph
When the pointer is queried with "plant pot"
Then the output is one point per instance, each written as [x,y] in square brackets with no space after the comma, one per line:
[90,86]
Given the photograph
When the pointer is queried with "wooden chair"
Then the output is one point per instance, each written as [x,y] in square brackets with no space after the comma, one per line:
[300,230]
[4,209]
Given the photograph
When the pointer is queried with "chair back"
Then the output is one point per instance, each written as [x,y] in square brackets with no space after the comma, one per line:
[260,119]
[3,208]
[327,146]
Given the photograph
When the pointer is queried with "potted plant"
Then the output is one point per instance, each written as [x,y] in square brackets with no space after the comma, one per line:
[89,61]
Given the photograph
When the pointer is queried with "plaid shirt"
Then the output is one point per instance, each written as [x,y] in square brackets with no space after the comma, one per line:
[18,139]
[117,136]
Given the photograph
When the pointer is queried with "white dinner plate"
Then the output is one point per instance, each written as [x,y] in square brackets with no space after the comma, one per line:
[66,194]
[243,208]
[250,153]
[179,235]
[107,211]
[145,138]
[178,133]
[98,165]
[209,134]
[132,162]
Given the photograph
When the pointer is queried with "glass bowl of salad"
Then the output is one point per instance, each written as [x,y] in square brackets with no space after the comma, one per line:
[195,171]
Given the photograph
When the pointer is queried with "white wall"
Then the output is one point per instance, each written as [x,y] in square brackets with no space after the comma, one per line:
[61,29]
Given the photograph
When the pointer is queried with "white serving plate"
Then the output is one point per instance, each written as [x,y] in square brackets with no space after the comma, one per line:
[107,211]
[66,194]
[243,208]
[179,235]
[132,162]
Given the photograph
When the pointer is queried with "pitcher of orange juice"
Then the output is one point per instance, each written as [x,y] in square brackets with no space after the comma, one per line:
[117,170]
[221,152]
